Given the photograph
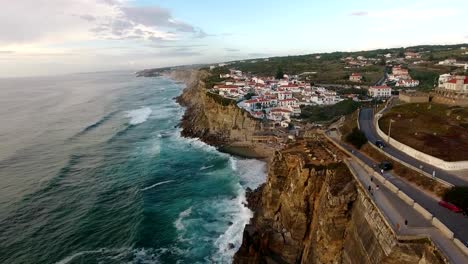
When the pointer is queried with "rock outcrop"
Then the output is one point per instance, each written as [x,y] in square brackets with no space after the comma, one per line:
[317,214]
[225,126]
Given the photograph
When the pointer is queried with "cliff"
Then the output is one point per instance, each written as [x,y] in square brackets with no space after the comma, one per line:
[310,210]
[313,212]
[223,125]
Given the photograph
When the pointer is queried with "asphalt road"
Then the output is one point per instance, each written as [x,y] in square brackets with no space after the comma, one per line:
[397,211]
[366,124]
[457,222]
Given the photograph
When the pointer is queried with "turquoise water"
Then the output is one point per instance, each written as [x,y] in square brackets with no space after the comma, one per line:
[93,170]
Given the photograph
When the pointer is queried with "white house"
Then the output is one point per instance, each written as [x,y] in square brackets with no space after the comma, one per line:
[443,79]
[284,95]
[288,102]
[458,83]
[407,83]
[380,91]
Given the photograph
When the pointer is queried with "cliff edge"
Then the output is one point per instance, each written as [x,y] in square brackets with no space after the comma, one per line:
[222,125]
[311,211]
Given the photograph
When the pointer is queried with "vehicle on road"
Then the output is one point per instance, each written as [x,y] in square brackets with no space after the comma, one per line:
[380,144]
[450,206]
[386,165]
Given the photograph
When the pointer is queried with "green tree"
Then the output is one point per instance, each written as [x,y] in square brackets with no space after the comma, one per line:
[279,73]
[357,138]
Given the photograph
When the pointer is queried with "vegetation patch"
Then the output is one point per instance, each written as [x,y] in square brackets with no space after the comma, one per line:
[328,113]
[221,100]
[438,130]
[357,138]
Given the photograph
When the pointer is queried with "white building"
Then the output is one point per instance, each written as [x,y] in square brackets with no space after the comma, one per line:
[443,79]
[380,91]
[407,83]
[458,83]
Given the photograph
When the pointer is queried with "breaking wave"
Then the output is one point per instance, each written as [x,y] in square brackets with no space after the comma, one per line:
[138,116]
[154,185]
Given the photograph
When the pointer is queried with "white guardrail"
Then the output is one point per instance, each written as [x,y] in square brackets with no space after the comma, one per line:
[402,195]
[426,158]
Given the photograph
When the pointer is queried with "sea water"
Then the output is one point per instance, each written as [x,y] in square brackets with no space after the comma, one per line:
[93,170]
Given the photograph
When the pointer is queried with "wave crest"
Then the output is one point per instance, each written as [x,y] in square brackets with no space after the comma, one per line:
[138,116]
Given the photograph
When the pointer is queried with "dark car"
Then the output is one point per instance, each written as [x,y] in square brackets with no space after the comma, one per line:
[386,165]
[380,144]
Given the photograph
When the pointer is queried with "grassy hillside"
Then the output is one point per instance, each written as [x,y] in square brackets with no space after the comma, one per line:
[328,113]
[438,130]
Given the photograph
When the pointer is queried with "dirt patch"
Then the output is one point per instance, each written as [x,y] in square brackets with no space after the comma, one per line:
[408,174]
[438,130]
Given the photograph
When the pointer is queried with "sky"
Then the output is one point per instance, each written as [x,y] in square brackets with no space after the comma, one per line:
[49,37]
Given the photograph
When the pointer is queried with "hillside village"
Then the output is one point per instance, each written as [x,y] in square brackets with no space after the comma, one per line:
[280,98]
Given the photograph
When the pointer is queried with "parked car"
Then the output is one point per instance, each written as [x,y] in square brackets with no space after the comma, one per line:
[386,165]
[450,206]
[380,144]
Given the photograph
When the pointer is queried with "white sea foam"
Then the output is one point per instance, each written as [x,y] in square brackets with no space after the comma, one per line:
[251,172]
[233,162]
[206,167]
[230,241]
[154,185]
[102,251]
[178,223]
[138,116]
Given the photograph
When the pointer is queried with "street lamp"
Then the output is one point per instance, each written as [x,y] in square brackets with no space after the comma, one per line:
[389,130]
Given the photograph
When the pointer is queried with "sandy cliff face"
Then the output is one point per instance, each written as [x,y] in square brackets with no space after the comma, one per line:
[316,214]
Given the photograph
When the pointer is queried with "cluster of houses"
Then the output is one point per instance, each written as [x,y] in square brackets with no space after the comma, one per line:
[358,62]
[272,99]
[402,78]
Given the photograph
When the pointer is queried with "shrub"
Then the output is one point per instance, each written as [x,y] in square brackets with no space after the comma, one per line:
[458,196]
[357,138]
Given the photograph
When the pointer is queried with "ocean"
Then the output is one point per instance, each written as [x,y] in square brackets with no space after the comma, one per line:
[93,170]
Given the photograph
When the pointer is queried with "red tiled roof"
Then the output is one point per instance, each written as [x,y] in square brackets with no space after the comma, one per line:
[279,110]
[290,86]
[454,80]
[228,86]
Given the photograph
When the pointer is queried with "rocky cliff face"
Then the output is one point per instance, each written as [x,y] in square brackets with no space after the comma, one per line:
[212,122]
[310,210]
[316,214]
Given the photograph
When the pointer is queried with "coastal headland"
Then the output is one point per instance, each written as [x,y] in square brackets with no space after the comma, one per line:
[311,209]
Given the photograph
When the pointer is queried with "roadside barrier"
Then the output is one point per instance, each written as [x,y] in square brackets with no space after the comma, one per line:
[445,230]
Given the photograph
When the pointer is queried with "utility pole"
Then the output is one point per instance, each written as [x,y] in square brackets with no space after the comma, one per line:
[389,130]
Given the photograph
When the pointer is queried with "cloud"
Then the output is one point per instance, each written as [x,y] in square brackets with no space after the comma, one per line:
[29,23]
[359,13]
[155,17]
[88,17]
[163,46]
[231,50]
